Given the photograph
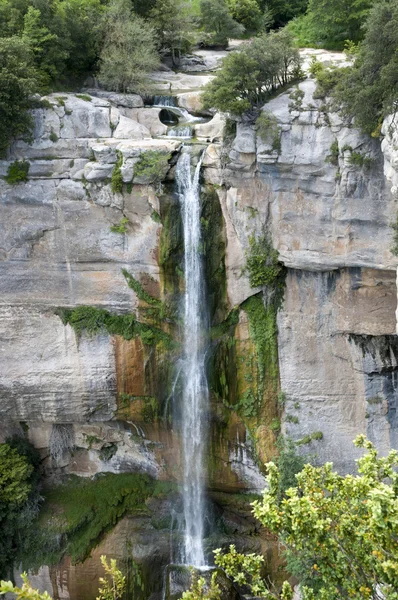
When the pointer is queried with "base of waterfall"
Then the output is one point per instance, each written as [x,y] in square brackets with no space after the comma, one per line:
[178,579]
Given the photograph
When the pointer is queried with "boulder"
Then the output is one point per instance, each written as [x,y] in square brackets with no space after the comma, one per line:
[211,131]
[129,129]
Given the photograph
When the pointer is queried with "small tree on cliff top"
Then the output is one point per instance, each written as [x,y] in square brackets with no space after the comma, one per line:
[340,532]
[247,77]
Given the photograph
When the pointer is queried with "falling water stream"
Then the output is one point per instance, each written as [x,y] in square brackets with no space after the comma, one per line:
[194,381]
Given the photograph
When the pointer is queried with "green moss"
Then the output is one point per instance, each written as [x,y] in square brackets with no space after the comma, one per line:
[275,425]
[82,510]
[307,439]
[121,227]
[374,400]
[152,165]
[53,136]
[262,263]
[17,172]
[84,97]
[91,439]
[117,179]
[292,419]
[155,216]
[263,332]
[94,321]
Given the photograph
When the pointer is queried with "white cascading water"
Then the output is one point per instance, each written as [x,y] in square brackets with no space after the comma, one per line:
[194,381]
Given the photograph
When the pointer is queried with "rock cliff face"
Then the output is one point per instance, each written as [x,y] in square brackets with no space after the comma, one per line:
[99,198]
[328,194]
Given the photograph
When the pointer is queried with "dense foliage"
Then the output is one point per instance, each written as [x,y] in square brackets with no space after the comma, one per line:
[247,78]
[328,23]
[19,498]
[340,531]
[367,91]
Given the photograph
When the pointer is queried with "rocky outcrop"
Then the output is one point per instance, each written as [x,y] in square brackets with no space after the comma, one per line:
[327,194]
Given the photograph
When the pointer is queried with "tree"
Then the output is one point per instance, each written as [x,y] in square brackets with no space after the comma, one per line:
[247,13]
[18,81]
[129,51]
[172,22]
[340,532]
[85,26]
[15,471]
[217,21]
[284,10]
[248,76]
[368,90]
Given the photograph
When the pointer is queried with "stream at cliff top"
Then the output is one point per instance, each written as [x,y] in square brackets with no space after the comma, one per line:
[195,391]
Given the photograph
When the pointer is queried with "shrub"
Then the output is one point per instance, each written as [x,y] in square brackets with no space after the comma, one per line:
[17,172]
[53,136]
[339,531]
[333,157]
[121,227]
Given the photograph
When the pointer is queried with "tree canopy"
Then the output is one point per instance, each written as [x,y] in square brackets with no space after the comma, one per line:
[247,77]
[340,532]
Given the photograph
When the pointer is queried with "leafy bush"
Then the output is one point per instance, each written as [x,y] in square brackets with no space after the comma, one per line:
[17,172]
[333,157]
[339,531]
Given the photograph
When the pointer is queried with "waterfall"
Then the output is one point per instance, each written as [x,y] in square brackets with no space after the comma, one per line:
[194,382]
[164,101]
[180,131]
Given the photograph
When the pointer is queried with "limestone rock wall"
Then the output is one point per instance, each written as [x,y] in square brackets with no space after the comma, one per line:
[328,196]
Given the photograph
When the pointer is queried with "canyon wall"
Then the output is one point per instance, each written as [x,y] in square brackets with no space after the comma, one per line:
[322,368]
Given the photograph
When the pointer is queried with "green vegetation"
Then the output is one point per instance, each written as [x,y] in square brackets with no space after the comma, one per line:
[394,227]
[366,91]
[329,23]
[200,591]
[339,532]
[155,216]
[152,166]
[307,439]
[18,81]
[262,262]
[156,304]
[94,321]
[117,178]
[333,157]
[268,129]
[217,22]
[113,584]
[76,514]
[19,499]
[121,227]
[84,97]
[172,21]
[248,13]
[289,463]
[17,172]
[129,51]
[248,77]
